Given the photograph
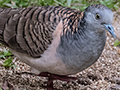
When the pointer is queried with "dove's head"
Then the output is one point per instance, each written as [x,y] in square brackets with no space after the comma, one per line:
[100,18]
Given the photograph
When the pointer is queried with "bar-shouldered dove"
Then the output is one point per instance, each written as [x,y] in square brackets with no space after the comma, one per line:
[56,41]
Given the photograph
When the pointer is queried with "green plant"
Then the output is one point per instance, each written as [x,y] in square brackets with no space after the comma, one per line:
[5,53]
[15,3]
[7,56]
[77,4]
[117,43]
[113,4]
[8,62]
[1,89]
[66,3]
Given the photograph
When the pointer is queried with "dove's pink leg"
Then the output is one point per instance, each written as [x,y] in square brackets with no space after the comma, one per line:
[52,77]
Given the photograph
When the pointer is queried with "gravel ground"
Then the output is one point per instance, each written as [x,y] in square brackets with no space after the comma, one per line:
[103,75]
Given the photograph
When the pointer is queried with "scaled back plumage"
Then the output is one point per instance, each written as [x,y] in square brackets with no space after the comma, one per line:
[29,30]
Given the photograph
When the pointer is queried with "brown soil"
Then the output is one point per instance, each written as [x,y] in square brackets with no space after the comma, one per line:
[103,75]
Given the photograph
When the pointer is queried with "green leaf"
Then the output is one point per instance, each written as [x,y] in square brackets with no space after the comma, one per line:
[7,53]
[2,56]
[117,43]
[8,62]
[69,3]
[1,89]
[10,5]
[58,2]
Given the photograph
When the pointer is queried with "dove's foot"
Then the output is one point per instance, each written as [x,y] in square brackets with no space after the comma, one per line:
[52,77]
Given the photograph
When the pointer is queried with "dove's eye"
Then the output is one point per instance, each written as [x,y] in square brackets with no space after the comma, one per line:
[97,16]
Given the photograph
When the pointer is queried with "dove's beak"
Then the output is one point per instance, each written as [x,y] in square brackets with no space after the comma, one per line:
[111,30]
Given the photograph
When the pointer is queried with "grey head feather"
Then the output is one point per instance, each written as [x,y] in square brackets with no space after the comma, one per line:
[99,17]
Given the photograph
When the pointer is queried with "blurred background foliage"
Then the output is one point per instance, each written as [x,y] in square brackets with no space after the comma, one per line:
[76,4]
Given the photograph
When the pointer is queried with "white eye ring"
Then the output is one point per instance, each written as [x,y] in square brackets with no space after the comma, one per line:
[97,16]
